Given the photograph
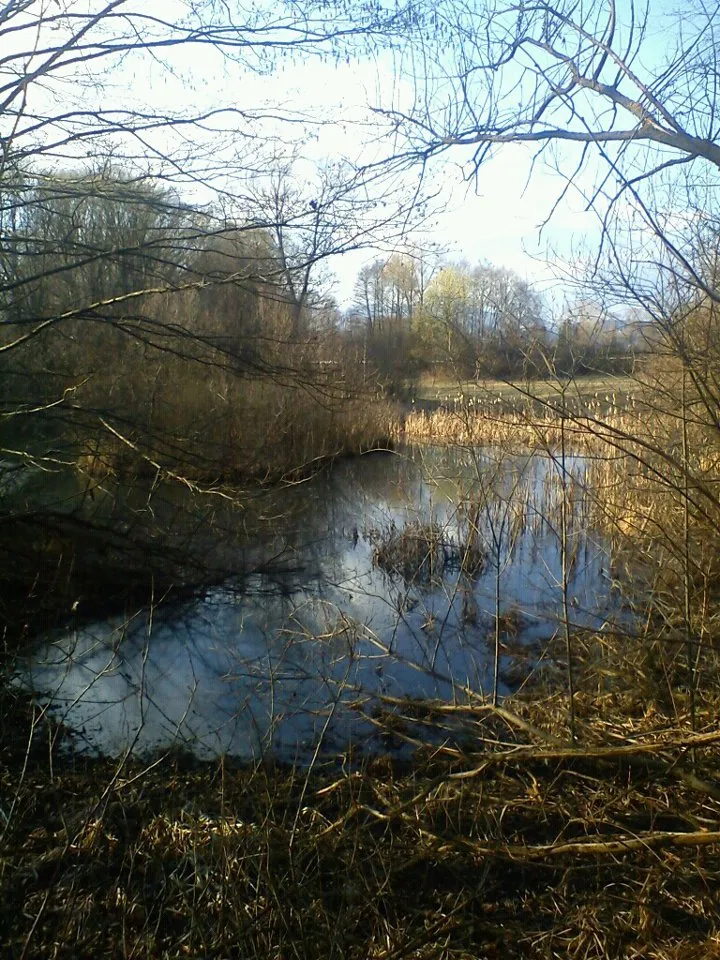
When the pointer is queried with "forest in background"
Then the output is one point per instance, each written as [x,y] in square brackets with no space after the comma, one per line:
[229,361]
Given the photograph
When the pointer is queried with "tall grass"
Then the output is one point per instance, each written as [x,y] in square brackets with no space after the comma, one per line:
[650,485]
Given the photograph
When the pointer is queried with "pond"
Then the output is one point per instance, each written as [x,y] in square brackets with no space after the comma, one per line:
[391,576]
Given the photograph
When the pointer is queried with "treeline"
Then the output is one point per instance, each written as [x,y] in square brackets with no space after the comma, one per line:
[412,315]
[141,330]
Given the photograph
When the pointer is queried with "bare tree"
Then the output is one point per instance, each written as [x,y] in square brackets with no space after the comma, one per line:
[145,299]
[621,101]
[546,72]
[628,122]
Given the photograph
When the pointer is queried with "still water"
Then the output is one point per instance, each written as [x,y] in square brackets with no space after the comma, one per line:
[329,616]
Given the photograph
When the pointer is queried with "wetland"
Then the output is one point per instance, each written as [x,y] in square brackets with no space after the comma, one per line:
[427,573]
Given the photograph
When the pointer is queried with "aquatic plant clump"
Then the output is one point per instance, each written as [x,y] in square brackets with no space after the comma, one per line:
[415,551]
[424,552]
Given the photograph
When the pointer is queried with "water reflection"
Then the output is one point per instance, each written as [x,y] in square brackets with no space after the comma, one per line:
[294,663]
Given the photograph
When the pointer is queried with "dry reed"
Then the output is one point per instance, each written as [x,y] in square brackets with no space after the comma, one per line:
[516,846]
[274,433]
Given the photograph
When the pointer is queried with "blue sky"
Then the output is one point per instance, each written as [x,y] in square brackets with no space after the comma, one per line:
[320,110]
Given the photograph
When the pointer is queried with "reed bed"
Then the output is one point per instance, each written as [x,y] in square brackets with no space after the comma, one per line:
[525,428]
[271,435]
[651,476]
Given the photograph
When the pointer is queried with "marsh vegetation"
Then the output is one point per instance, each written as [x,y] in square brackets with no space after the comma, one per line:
[493,621]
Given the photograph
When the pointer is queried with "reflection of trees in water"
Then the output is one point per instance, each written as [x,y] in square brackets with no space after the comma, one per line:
[278,652]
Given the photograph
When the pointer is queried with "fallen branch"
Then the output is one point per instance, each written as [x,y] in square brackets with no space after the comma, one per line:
[645,841]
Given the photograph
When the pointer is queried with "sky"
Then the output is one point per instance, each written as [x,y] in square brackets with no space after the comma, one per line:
[499,216]
[496,217]
[321,110]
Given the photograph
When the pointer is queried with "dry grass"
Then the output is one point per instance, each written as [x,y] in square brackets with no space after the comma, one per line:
[273,433]
[520,845]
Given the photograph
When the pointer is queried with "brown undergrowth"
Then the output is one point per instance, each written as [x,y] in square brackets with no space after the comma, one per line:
[519,844]
[513,839]
[279,436]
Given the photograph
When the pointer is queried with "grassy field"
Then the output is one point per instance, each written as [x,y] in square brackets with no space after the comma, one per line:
[581,388]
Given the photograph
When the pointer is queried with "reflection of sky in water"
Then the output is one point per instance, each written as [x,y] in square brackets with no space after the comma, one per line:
[291,663]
